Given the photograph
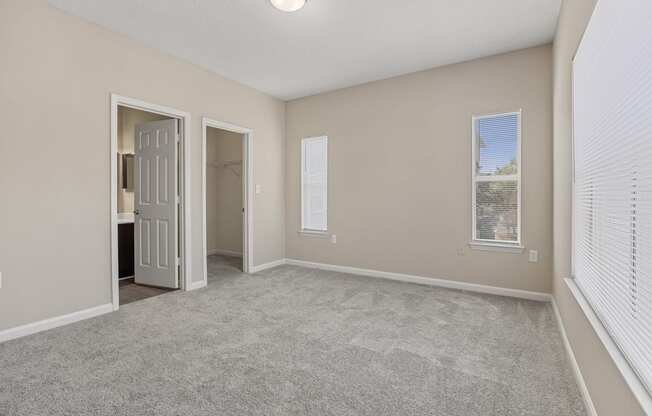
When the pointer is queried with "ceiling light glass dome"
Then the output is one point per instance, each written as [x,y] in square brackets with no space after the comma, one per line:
[288,5]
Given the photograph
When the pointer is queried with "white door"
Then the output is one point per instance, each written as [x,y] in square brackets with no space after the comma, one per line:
[155,203]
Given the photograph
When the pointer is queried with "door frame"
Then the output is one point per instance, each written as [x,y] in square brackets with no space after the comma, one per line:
[183,173]
[247,190]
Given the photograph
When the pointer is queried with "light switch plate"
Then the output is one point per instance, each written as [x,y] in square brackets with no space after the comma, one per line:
[333,238]
[534,256]
[259,189]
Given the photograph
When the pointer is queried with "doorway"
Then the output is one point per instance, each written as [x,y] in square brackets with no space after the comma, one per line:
[148,210]
[226,187]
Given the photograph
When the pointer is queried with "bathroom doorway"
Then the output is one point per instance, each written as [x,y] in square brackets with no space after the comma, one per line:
[147,204]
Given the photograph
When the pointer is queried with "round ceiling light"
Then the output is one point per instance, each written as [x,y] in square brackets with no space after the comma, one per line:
[288,5]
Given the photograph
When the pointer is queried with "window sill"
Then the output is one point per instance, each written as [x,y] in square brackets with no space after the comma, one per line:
[311,233]
[501,247]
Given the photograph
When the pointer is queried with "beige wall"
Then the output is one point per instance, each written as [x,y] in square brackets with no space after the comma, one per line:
[610,394]
[58,71]
[223,191]
[128,118]
[411,134]
[400,170]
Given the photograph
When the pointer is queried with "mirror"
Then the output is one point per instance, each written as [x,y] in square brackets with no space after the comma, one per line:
[127,182]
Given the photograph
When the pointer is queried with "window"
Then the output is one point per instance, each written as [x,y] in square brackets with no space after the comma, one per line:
[497,180]
[612,181]
[314,184]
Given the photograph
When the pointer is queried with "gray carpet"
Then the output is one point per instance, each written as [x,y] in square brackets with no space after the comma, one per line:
[219,266]
[295,341]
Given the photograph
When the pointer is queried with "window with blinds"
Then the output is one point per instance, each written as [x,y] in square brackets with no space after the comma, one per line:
[314,184]
[497,179]
[612,192]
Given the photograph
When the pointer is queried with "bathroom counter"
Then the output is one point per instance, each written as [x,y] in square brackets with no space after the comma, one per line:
[125,217]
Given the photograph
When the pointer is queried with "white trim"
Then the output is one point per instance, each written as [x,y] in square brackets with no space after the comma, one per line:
[572,110]
[184,118]
[491,246]
[265,266]
[247,192]
[573,185]
[449,284]
[586,395]
[313,233]
[518,177]
[57,321]
[219,251]
[630,376]
[198,285]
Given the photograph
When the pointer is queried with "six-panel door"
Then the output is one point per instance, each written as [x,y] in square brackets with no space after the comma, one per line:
[155,203]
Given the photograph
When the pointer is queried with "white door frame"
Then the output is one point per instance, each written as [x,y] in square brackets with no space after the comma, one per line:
[247,189]
[185,278]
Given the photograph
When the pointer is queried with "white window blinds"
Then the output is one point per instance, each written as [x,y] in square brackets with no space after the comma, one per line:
[496,178]
[314,184]
[612,116]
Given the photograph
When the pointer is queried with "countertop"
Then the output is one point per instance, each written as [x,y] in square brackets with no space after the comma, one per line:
[125,217]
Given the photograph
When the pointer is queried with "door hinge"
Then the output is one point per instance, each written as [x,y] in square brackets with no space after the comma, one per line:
[178,199]
[178,261]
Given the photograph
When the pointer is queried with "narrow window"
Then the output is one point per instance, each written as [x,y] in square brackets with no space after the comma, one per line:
[314,184]
[497,179]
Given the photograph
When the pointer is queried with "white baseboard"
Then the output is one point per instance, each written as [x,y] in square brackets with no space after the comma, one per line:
[260,268]
[44,325]
[450,284]
[223,252]
[197,285]
[586,396]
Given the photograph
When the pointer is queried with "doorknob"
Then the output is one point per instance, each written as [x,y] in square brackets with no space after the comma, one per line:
[136,212]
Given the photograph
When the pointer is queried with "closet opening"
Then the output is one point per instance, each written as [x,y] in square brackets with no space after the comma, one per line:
[226,200]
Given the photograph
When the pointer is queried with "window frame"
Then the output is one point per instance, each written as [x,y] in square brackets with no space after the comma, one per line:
[629,373]
[500,245]
[303,230]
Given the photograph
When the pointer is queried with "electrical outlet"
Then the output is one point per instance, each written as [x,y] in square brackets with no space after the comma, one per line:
[333,238]
[534,256]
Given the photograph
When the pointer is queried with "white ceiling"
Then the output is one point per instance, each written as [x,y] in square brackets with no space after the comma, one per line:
[329,44]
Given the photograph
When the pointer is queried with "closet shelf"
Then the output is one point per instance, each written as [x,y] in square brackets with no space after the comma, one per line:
[228,164]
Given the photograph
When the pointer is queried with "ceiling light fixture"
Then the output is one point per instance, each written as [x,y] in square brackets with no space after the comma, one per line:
[288,5]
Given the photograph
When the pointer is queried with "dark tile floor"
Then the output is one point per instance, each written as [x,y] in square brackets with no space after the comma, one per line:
[132,292]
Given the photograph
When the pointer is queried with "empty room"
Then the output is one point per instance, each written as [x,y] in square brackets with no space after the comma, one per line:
[326,207]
